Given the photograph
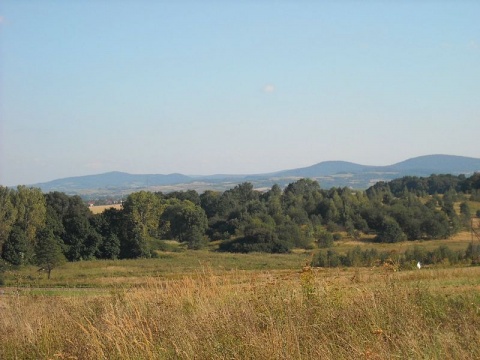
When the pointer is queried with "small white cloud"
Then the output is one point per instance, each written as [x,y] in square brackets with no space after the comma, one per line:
[474,45]
[269,88]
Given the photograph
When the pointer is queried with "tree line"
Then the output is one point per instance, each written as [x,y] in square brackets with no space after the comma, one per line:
[46,228]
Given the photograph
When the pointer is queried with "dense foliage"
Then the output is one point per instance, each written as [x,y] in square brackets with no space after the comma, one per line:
[242,219]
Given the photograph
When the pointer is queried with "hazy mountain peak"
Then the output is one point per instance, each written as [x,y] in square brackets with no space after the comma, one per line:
[328,173]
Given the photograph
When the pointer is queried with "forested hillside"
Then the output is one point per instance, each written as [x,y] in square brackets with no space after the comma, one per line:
[47,229]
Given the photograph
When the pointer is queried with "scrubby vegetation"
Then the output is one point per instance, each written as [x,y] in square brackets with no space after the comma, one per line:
[412,257]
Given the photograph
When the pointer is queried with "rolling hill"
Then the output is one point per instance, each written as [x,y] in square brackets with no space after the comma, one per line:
[111,180]
[328,173]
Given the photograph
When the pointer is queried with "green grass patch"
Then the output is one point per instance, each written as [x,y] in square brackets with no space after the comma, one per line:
[168,265]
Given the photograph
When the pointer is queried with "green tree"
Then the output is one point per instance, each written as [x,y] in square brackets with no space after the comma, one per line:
[465,213]
[142,211]
[210,201]
[435,225]
[58,205]
[80,238]
[273,201]
[235,200]
[301,198]
[390,231]
[48,252]
[324,238]
[289,232]
[257,239]
[31,210]
[110,247]
[409,216]
[70,219]
[186,222]
[191,195]
[17,249]
[448,208]
[243,193]
[108,225]
[111,221]
[8,213]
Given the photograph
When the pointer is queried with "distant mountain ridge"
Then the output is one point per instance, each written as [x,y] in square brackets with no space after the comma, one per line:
[418,166]
[328,173]
[444,164]
[324,168]
[113,179]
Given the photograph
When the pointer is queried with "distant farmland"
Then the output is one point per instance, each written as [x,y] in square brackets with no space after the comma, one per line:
[101,208]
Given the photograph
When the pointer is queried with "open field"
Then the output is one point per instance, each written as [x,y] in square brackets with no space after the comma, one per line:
[97,209]
[208,305]
[174,265]
[168,266]
[263,314]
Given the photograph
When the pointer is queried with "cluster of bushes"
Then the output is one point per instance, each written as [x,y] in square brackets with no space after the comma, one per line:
[372,257]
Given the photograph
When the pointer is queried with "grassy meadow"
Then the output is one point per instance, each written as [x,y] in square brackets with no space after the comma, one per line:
[209,305]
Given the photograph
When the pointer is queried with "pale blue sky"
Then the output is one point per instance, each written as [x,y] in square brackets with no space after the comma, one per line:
[204,87]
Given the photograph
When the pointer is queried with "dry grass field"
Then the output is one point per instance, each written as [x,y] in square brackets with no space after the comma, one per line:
[101,208]
[305,314]
[199,305]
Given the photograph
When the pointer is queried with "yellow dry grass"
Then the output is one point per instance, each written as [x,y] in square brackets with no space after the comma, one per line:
[101,208]
[303,314]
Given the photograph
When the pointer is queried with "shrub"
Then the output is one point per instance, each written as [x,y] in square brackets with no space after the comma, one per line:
[325,239]
[328,258]
[416,254]
[444,253]
[473,253]
[337,236]
[260,240]
[390,232]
